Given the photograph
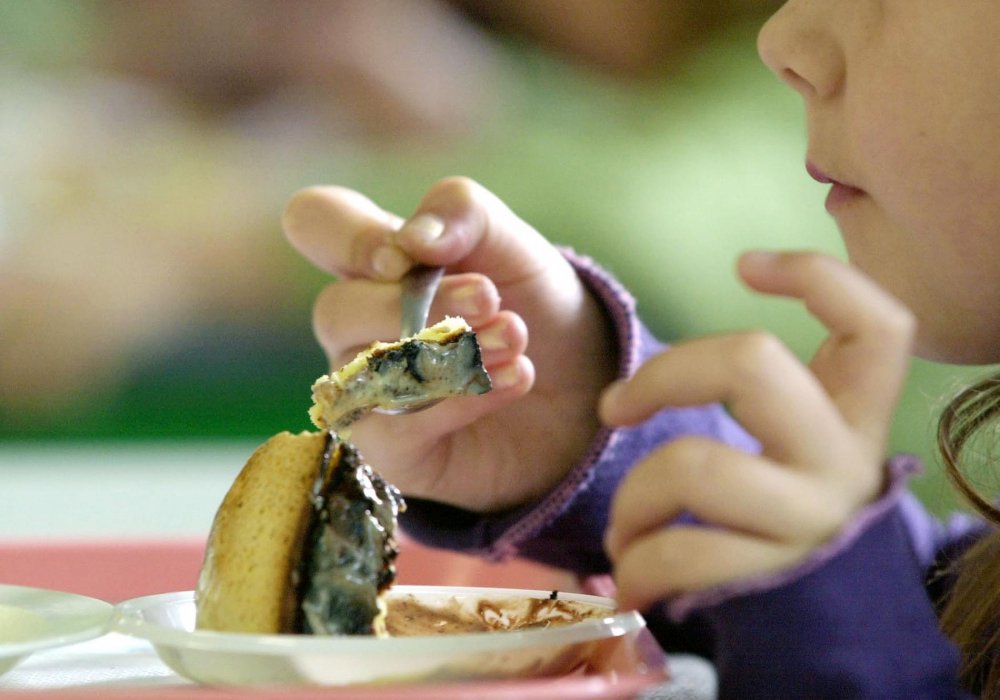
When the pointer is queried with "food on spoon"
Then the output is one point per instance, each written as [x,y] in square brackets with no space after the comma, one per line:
[440,361]
[304,542]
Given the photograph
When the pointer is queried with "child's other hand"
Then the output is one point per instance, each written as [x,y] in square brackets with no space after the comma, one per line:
[823,431]
[488,452]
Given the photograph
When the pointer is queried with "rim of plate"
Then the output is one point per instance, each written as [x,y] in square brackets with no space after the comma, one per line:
[84,618]
[129,614]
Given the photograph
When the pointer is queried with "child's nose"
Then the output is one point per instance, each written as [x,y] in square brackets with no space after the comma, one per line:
[799,45]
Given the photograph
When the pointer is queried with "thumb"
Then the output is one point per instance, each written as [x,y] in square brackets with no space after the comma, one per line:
[461,224]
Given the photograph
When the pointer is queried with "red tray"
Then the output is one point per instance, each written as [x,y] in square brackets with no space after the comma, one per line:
[115,570]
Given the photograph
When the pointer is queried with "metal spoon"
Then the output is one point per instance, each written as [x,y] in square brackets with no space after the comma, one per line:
[419,286]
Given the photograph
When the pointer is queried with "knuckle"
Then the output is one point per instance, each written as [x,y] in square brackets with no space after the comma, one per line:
[692,471]
[893,328]
[813,263]
[657,556]
[675,550]
[829,510]
[687,459]
[327,300]
[457,190]
[620,501]
[899,323]
[755,355]
[825,518]
[324,315]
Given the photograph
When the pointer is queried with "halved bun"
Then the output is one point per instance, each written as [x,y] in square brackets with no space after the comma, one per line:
[304,542]
[255,544]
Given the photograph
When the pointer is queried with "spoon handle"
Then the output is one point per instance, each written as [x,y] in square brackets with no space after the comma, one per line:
[419,286]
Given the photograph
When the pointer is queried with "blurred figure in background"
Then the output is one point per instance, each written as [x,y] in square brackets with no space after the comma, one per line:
[148,147]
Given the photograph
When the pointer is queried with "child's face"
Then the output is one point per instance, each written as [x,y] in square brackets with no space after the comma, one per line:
[902,101]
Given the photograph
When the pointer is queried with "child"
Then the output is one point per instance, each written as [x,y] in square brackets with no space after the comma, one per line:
[785,549]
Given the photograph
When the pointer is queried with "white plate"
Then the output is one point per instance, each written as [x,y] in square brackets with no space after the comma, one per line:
[33,619]
[167,621]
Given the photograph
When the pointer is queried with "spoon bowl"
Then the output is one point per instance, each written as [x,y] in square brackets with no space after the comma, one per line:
[419,286]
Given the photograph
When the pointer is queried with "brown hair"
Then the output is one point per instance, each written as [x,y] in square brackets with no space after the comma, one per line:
[972,614]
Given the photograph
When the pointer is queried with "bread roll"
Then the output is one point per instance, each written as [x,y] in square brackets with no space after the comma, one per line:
[247,581]
[304,542]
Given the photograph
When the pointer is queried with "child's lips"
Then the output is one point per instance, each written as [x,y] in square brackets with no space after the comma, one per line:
[840,194]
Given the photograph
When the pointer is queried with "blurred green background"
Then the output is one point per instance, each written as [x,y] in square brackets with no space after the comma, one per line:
[146,290]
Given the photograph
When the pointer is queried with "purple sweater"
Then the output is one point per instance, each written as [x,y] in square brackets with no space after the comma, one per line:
[854,620]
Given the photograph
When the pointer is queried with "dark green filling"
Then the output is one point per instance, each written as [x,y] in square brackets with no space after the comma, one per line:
[459,361]
[350,548]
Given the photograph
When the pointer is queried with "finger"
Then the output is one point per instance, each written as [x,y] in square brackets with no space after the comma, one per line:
[479,233]
[344,233]
[724,487]
[421,432]
[864,362]
[502,339]
[350,314]
[472,296]
[683,559]
[764,385]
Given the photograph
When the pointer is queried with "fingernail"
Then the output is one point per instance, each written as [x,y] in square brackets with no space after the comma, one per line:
[422,228]
[758,258]
[465,299]
[389,262]
[493,338]
[505,377]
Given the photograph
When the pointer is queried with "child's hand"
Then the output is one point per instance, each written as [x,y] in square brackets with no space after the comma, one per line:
[823,430]
[487,452]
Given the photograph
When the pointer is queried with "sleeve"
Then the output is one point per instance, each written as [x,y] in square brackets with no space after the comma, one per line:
[854,620]
[566,528]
